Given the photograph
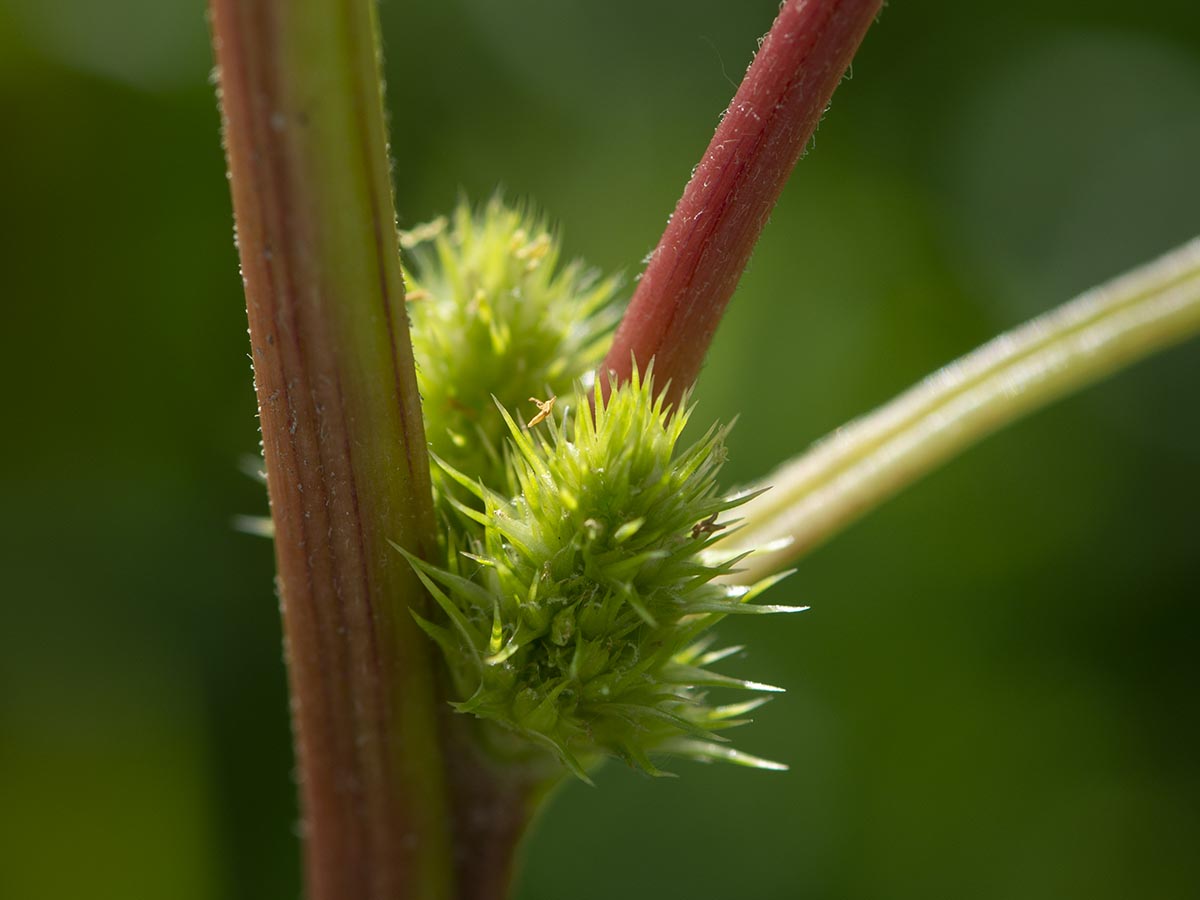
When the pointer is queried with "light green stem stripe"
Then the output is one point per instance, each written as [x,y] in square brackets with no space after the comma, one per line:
[859,466]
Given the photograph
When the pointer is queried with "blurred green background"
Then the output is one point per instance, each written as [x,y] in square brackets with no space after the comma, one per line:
[995,692]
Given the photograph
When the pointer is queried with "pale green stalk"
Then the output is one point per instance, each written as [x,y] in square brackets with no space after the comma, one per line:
[862,464]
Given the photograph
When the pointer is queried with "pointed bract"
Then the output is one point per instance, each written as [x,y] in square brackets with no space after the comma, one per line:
[580,592]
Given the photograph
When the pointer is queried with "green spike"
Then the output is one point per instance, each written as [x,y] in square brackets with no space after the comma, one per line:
[703,751]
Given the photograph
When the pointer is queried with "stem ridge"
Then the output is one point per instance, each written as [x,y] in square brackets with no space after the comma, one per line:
[862,464]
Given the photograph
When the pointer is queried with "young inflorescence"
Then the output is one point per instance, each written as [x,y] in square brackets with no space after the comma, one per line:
[494,315]
[579,576]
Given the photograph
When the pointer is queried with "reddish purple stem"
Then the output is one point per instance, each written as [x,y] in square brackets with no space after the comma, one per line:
[700,258]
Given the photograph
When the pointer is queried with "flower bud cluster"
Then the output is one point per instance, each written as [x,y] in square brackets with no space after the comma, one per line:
[579,577]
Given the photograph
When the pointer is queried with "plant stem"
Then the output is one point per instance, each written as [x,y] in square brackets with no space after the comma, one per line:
[707,244]
[495,799]
[861,465]
[342,437]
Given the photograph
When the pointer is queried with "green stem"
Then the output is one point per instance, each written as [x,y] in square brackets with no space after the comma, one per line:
[864,463]
[342,437]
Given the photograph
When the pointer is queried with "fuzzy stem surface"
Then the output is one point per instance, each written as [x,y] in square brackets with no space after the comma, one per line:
[342,437]
[696,266]
[862,464]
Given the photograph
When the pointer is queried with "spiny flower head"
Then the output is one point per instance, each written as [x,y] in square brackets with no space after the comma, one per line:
[495,315]
[577,610]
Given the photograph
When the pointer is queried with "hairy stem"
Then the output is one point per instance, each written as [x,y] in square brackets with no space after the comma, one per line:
[342,436]
[861,465]
[700,258]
